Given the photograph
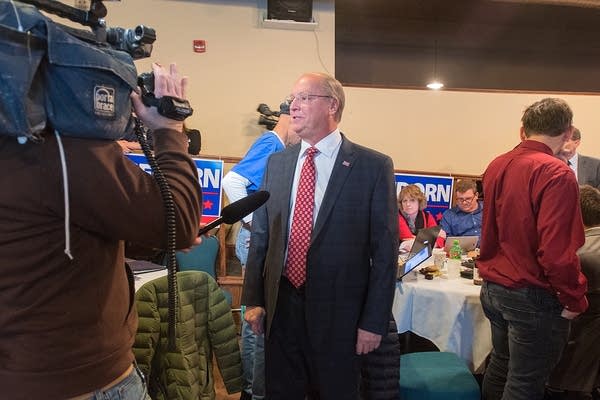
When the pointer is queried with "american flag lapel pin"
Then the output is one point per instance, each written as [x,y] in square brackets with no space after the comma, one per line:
[345,163]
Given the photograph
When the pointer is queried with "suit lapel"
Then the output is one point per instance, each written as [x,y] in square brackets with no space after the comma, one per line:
[287,180]
[341,169]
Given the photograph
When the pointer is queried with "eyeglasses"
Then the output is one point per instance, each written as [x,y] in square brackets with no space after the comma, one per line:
[464,199]
[304,98]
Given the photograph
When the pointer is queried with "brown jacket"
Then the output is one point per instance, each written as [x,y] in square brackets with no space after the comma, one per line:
[67,326]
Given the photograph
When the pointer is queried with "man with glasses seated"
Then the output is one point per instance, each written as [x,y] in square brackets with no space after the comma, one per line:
[464,219]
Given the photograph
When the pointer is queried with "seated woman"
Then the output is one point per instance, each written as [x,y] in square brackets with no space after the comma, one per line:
[412,216]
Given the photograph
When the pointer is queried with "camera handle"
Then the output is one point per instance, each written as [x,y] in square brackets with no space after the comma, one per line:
[168,106]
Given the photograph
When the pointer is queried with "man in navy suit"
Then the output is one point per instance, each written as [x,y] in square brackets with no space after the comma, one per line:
[317,330]
[586,168]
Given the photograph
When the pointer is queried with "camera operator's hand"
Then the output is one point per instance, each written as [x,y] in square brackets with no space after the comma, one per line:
[129,146]
[166,83]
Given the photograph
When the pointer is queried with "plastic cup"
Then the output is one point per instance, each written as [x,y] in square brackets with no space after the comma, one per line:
[439,257]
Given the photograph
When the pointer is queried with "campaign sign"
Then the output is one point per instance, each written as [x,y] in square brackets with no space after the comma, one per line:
[437,189]
[210,174]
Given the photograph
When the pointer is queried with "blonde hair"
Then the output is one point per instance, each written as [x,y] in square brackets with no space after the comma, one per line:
[412,192]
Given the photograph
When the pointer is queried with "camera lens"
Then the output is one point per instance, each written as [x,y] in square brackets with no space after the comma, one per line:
[144,34]
[139,32]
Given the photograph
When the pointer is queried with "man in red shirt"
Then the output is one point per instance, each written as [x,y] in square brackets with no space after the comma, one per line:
[531,231]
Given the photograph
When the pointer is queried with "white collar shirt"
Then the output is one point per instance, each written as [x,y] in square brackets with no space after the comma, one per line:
[573,161]
[329,148]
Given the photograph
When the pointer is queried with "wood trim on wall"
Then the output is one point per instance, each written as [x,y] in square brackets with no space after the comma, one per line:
[235,160]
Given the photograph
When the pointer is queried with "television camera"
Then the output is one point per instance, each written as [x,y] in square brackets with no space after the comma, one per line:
[267,117]
[135,41]
[66,67]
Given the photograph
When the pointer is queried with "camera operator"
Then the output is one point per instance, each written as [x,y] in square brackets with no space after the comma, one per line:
[67,312]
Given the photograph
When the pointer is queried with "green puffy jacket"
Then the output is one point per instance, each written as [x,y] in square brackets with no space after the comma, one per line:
[205,325]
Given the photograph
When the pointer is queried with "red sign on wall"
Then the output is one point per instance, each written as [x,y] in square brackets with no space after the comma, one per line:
[199,46]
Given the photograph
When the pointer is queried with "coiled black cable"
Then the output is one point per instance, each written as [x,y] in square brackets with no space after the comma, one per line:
[169,209]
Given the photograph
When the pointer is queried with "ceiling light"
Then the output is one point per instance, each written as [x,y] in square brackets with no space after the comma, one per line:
[435,85]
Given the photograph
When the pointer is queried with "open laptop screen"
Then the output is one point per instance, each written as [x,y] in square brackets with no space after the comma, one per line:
[425,238]
[414,261]
[467,243]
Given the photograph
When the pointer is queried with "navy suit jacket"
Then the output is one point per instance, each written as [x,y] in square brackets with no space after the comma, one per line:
[353,255]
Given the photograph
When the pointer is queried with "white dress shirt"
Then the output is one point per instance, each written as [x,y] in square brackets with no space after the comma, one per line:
[329,148]
[573,161]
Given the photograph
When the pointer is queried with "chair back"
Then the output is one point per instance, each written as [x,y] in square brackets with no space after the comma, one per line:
[203,258]
[200,258]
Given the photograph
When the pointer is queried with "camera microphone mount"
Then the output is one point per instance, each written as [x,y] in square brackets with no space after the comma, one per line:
[137,41]
[92,18]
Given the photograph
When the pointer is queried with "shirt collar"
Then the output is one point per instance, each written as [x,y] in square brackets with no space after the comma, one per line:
[573,160]
[326,146]
[592,231]
[535,145]
[278,137]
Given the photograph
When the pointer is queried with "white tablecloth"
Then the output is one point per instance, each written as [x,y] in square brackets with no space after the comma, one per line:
[447,312]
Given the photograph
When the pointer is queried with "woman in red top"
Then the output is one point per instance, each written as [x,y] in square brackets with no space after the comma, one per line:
[412,216]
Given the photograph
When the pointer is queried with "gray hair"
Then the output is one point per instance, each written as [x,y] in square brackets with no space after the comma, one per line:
[333,88]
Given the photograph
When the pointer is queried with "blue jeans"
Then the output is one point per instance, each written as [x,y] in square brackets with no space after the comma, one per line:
[133,387]
[242,244]
[528,336]
[253,346]
[253,362]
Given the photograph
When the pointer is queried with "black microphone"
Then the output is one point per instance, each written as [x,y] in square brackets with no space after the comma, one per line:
[238,210]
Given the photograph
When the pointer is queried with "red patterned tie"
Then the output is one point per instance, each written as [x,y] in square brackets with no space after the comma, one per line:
[302,222]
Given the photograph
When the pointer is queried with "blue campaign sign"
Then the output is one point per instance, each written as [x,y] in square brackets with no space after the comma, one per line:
[210,174]
[437,189]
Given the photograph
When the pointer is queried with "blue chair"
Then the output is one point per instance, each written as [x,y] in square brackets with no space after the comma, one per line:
[436,376]
[202,258]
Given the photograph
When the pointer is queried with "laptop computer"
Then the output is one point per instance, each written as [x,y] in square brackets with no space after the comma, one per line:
[413,262]
[467,243]
[142,266]
[425,238]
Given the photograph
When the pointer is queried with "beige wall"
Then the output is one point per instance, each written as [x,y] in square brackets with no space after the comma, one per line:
[245,64]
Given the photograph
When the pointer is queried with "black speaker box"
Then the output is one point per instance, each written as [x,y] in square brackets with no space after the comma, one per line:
[296,10]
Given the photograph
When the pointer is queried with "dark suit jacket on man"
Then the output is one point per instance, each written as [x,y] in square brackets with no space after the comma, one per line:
[588,171]
[353,255]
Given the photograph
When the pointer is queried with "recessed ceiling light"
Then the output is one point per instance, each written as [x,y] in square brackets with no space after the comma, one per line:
[435,85]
